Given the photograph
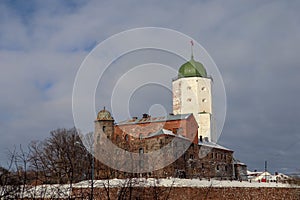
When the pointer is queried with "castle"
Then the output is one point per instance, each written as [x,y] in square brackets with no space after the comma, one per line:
[187,133]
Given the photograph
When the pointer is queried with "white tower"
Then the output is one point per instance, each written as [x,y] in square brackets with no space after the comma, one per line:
[192,94]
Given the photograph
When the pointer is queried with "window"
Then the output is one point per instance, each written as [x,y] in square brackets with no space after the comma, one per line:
[126,137]
[218,167]
[203,88]
[226,168]
[202,165]
[141,151]
[104,128]
[189,99]
[204,100]
[191,156]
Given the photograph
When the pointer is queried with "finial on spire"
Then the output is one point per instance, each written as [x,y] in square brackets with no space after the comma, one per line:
[192,46]
[104,108]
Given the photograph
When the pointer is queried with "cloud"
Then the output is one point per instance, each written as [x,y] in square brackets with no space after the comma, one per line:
[255,44]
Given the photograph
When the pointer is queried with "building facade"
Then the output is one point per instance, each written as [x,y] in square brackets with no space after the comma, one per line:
[201,159]
[189,129]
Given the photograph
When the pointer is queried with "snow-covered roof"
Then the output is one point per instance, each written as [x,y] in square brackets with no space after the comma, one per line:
[160,132]
[258,176]
[213,145]
[155,119]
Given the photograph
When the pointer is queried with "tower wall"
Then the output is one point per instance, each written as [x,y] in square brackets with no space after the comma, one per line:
[103,126]
[193,95]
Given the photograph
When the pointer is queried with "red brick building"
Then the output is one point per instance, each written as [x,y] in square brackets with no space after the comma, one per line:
[192,157]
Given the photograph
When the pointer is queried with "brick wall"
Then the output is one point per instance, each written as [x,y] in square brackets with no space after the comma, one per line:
[182,193]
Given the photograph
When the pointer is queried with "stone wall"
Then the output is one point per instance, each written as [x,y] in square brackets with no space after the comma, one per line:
[184,157]
[182,193]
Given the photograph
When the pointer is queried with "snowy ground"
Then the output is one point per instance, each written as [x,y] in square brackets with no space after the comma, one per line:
[64,191]
[175,182]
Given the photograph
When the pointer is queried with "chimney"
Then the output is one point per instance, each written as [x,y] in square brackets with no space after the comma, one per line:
[201,140]
[206,139]
[145,116]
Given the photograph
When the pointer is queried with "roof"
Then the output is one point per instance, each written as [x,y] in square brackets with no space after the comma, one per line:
[155,119]
[160,132]
[192,68]
[213,145]
[104,115]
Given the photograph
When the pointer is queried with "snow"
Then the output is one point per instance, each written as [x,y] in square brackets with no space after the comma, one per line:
[40,191]
[259,176]
[176,182]
[64,191]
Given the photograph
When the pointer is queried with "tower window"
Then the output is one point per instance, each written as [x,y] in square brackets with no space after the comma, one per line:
[203,88]
[126,137]
[141,151]
[204,100]
[104,128]
[189,99]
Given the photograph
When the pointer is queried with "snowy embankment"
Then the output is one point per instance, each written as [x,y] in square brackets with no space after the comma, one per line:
[176,182]
[65,190]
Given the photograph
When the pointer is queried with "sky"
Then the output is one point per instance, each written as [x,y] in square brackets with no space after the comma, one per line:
[255,45]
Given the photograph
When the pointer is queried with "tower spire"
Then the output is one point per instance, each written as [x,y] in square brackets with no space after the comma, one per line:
[192,49]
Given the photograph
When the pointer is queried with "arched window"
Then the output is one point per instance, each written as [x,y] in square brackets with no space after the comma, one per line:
[126,137]
[104,128]
[141,151]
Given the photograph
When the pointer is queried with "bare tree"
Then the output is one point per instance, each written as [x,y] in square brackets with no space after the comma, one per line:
[61,158]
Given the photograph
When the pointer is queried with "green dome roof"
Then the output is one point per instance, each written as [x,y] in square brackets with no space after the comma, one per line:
[192,68]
